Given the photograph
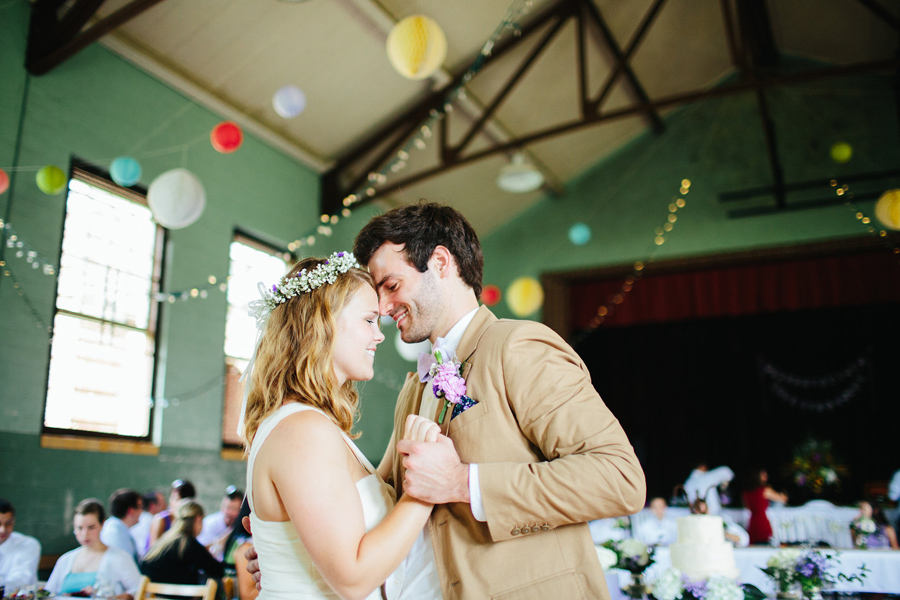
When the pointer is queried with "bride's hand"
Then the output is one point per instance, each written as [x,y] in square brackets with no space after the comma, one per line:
[420,429]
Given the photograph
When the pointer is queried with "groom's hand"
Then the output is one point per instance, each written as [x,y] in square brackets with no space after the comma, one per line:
[434,472]
[253,562]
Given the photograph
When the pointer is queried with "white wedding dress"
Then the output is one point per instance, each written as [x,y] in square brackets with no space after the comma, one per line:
[288,571]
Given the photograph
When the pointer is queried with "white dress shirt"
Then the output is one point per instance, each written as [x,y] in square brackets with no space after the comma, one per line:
[19,557]
[417,578]
[894,487]
[115,534]
[214,528]
[704,484]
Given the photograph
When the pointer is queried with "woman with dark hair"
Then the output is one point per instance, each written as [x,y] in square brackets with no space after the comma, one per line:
[756,497]
[178,557]
[871,529]
[93,565]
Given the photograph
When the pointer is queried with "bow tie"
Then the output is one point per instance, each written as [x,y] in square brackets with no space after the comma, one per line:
[426,360]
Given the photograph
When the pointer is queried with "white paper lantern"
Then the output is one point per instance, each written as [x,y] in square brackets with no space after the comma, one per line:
[410,352]
[176,198]
[289,102]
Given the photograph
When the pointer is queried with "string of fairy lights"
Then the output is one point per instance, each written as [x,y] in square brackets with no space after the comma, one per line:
[844,192]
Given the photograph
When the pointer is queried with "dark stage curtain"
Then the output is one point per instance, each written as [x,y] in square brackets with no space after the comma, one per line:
[691,375]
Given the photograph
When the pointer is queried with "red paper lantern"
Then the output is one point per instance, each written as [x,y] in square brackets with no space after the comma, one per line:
[490,295]
[226,137]
[4,181]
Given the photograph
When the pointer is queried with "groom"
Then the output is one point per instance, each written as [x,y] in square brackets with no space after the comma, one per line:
[526,466]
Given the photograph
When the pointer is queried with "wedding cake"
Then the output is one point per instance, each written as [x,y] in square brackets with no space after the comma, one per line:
[701,550]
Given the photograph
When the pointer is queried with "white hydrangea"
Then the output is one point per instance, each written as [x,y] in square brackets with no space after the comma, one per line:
[608,558]
[723,588]
[784,559]
[668,586]
[635,548]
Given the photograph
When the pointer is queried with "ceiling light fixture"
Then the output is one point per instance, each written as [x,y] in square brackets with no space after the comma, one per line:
[519,176]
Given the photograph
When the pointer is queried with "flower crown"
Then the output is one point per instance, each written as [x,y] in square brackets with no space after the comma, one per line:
[302,282]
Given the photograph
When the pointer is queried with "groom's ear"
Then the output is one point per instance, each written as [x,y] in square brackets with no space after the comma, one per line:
[443,262]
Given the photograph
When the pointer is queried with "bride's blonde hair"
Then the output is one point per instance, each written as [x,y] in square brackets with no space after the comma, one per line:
[295,354]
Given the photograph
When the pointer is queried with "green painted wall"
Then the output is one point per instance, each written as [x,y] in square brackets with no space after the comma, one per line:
[718,145]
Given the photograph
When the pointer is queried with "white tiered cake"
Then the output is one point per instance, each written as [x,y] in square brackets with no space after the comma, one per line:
[701,550]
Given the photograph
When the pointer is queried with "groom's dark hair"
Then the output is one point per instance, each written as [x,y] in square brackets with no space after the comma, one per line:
[420,228]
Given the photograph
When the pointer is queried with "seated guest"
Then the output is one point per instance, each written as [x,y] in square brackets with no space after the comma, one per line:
[154,503]
[734,533]
[93,564]
[182,489]
[218,526]
[870,530]
[657,529]
[124,511]
[177,557]
[703,484]
[237,535]
[757,496]
[19,554]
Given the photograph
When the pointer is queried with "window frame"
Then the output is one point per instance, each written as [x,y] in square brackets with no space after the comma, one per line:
[257,243]
[54,436]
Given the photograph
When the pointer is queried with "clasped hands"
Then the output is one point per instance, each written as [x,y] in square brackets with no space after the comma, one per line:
[433,470]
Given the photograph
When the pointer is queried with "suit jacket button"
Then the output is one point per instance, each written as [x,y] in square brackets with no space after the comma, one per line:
[545,528]
[515,532]
[526,530]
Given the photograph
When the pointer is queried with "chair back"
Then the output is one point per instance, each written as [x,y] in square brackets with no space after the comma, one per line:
[149,589]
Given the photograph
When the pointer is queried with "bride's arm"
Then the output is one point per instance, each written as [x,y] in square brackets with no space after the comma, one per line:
[321,499]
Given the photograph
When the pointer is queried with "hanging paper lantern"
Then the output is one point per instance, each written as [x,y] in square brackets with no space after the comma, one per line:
[416,47]
[887,209]
[410,352]
[289,102]
[490,295]
[579,234]
[125,171]
[4,181]
[51,180]
[176,198]
[226,137]
[841,152]
[524,296]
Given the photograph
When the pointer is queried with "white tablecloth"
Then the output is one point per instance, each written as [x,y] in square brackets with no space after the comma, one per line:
[884,565]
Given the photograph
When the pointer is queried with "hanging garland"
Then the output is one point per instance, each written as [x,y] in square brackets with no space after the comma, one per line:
[851,378]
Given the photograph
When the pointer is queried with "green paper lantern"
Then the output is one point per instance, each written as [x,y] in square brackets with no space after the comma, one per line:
[51,180]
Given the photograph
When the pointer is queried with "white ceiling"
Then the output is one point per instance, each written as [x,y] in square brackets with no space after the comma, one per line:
[232,55]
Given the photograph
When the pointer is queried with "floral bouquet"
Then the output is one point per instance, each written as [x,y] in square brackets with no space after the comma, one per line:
[861,528]
[813,571]
[672,585]
[781,568]
[814,467]
[631,554]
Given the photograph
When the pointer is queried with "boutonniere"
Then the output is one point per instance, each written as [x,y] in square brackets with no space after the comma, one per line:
[447,382]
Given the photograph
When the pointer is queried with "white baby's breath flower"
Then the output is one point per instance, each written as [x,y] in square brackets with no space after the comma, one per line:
[668,586]
[784,559]
[723,588]
[608,558]
[635,548]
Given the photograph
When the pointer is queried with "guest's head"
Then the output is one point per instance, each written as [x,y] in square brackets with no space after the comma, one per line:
[7,519]
[125,504]
[756,478]
[315,345]
[238,533]
[422,257]
[231,504]
[182,489]
[88,522]
[658,507]
[154,502]
[699,507]
[873,511]
[186,525]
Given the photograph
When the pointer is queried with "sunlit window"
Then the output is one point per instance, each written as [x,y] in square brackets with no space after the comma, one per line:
[102,354]
[252,262]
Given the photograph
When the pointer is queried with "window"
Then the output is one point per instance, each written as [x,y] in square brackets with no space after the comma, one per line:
[251,262]
[104,328]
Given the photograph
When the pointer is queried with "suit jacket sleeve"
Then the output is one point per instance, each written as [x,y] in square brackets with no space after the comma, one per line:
[589,469]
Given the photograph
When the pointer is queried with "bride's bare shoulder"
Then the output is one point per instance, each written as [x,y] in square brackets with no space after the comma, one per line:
[307,428]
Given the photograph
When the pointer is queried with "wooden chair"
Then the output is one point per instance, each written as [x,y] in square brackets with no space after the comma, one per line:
[148,589]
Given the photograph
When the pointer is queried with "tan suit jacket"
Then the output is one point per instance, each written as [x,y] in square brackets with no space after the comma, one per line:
[551,458]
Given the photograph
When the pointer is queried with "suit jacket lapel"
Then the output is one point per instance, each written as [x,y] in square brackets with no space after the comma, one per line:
[469,342]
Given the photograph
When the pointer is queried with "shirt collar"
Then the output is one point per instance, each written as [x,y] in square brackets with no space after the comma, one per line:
[451,341]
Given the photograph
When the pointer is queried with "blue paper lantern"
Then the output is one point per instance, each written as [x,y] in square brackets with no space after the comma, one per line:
[125,171]
[579,234]
[289,102]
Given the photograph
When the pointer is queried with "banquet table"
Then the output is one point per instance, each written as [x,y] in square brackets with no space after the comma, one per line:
[883,565]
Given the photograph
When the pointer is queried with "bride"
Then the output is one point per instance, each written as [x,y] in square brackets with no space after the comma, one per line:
[324,523]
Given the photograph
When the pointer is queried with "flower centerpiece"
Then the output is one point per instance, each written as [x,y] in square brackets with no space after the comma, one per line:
[673,585]
[634,556]
[861,528]
[811,569]
[814,467]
